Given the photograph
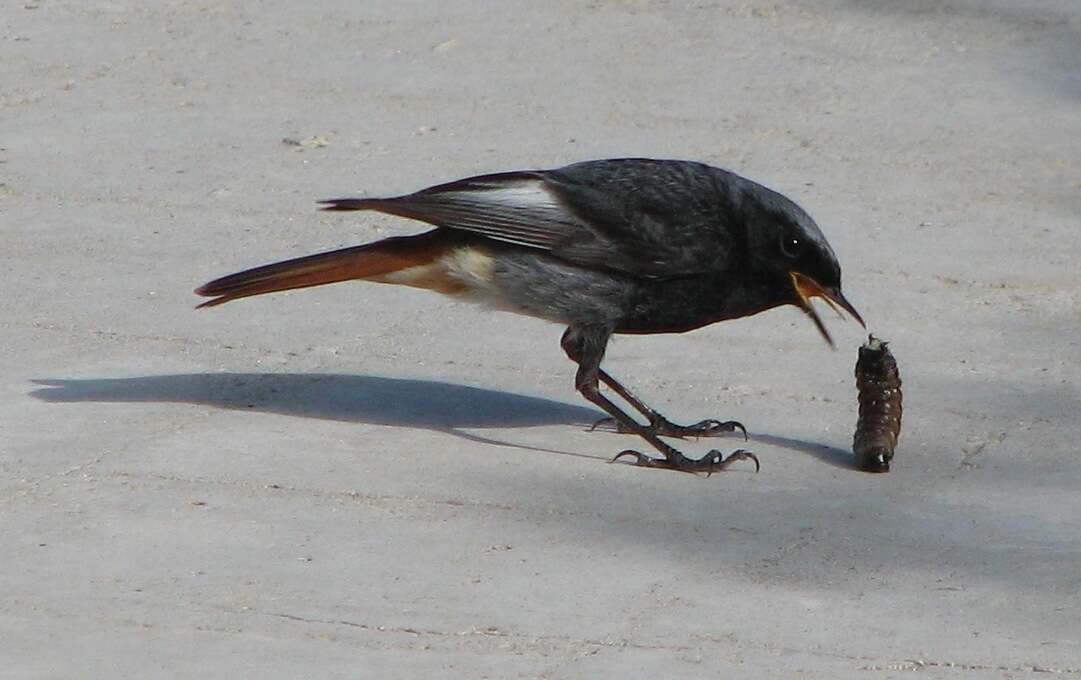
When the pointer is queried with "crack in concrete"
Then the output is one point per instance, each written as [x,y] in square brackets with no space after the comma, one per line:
[923,664]
[870,663]
[490,632]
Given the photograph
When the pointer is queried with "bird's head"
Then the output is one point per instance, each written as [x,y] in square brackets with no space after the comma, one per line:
[794,258]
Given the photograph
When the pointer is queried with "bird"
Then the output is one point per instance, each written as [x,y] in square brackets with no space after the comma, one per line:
[602,247]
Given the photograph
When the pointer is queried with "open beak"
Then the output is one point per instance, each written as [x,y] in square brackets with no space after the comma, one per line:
[808,288]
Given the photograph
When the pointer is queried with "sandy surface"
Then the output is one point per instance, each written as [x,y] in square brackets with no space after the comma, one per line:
[368,481]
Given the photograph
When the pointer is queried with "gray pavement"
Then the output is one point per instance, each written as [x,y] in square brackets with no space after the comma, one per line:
[364,481]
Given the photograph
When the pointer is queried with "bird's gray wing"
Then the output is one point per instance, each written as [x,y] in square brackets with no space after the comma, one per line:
[599,214]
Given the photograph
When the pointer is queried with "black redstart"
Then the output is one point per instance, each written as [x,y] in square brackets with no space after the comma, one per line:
[608,246]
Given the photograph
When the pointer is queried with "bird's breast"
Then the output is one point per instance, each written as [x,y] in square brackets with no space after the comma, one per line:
[679,305]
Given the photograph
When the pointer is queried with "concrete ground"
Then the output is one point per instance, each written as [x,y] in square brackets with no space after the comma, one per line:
[364,481]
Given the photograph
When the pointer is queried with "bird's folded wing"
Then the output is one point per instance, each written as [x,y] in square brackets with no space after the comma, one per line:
[516,207]
[573,222]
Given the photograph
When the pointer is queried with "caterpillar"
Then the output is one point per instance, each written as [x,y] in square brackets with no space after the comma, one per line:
[879,424]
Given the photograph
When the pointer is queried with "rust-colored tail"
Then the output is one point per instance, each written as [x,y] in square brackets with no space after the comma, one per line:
[371,260]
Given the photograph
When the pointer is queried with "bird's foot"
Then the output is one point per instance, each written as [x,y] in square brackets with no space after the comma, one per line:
[660,426]
[714,461]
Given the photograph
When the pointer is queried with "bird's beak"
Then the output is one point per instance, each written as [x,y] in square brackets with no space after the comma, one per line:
[808,288]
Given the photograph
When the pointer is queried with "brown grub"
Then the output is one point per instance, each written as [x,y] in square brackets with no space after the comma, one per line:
[879,423]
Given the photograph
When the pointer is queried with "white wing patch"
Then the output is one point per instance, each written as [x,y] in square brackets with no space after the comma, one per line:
[525,194]
[520,210]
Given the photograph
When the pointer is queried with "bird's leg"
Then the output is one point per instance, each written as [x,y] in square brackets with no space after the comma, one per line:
[585,345]
[660,425]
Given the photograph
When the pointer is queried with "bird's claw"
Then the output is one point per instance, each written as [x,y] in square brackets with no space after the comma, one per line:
[661,427]
[639,457]
[741,454]
[714,461]
[710,427]
[606,422]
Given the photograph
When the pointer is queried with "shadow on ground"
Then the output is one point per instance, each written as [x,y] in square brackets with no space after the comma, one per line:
[830,455]
[352,398]
[1038,40]
[396,402]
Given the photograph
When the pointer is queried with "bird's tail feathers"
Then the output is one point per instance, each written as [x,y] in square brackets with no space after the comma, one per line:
[369,261]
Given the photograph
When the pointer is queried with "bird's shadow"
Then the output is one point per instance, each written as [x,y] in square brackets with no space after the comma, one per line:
[395,402]
[830,455]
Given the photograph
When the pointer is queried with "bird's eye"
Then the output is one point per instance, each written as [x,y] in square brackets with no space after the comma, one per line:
[791,246]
